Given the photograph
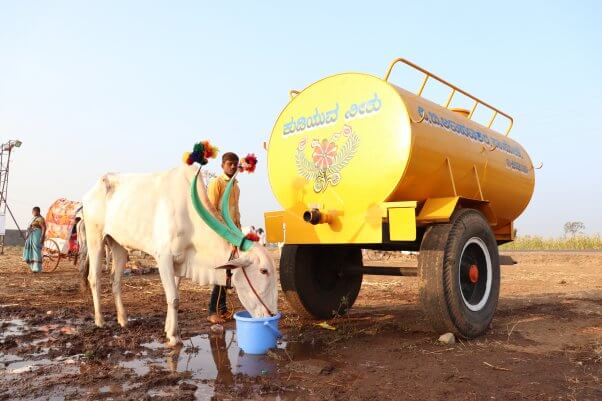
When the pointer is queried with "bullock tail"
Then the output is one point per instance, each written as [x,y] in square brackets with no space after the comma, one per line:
[84,258]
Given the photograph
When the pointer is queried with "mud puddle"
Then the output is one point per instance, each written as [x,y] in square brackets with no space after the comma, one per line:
[205,366]
[212,362]
[12,328]
[202,357]
[24,346]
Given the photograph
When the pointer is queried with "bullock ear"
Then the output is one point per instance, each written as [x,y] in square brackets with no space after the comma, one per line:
[235,263]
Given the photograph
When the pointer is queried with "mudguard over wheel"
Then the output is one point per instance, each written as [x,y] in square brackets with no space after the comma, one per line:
[459,274]
[317,281]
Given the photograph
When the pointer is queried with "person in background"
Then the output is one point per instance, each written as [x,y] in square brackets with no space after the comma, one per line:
[73,245]
[215,191]
[32,252]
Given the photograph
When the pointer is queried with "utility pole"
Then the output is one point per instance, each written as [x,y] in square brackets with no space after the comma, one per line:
[5,153]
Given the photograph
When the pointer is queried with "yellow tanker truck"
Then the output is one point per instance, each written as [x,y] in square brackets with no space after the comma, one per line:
[359,163]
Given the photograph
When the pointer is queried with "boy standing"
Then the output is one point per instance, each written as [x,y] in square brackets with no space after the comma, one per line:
[215,191]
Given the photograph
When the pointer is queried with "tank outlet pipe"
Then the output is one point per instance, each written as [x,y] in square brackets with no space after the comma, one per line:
[315,216]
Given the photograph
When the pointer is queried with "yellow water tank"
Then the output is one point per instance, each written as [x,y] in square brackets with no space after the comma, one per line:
[354,145]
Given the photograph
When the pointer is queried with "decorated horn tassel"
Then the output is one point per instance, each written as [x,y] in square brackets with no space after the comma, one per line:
[201,152]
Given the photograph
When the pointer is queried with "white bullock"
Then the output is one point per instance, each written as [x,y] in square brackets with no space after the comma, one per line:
[154,213]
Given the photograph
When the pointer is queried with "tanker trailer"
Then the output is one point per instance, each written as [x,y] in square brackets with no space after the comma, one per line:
[359,163]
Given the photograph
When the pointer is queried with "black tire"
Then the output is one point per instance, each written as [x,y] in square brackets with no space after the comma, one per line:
[459,274]
[316,280]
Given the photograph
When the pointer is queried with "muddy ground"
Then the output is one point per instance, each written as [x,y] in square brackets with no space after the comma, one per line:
[545,342]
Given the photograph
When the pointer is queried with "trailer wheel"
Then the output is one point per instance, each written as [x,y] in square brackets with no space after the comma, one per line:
[316,279]
[459,273]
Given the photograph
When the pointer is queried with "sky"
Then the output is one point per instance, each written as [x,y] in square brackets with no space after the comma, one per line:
[128,86]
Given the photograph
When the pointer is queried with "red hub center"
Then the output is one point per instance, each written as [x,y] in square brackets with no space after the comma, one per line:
[473,274]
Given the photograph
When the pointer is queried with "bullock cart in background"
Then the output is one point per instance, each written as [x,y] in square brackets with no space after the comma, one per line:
[61,240]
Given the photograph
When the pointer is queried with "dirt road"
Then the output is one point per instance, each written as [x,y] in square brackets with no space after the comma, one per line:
[545,343]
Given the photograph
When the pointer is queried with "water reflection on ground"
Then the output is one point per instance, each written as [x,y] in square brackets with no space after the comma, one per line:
[209,364]
[203,357]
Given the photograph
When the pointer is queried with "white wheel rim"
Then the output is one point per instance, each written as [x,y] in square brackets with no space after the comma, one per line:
[481,244]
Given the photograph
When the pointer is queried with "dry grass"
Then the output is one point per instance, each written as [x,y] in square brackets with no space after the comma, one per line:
[537,243]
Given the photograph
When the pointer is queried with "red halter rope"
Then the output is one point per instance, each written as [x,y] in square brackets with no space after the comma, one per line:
[233,255]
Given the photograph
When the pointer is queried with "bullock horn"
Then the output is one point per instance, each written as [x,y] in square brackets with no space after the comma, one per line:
[236,237]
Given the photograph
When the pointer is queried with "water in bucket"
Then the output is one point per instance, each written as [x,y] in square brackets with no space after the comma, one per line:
[256,335]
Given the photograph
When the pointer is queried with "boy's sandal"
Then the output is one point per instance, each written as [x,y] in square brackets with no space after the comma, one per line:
[215,319]
[227,315]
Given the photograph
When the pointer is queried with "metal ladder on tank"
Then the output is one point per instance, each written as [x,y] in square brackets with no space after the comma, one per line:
[454,89]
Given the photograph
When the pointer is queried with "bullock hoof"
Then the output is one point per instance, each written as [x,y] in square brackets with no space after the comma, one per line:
[174,342]
[99,322]
[123,322]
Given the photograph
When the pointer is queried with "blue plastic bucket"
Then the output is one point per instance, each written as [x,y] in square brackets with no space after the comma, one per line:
[256,335]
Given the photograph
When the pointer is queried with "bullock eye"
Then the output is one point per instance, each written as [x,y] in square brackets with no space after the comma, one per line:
[263,270]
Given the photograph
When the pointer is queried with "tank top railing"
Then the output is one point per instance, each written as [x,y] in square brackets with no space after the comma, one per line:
[454,89]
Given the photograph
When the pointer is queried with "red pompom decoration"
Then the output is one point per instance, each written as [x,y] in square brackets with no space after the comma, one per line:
[248,163]
[252,236]
[210,152]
